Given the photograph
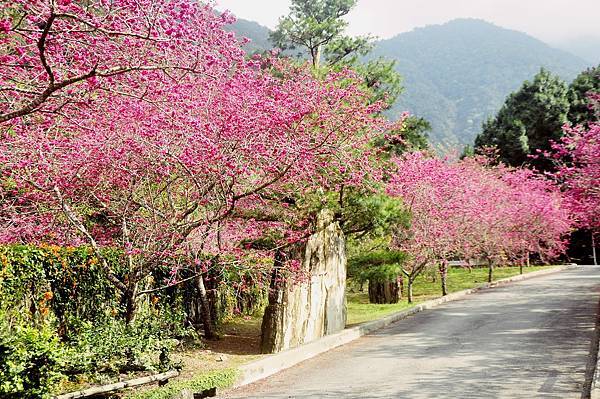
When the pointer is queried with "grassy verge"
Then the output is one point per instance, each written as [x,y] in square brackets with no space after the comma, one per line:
[425,288]
[213,379]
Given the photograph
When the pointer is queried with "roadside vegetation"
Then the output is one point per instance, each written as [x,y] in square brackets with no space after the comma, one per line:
[165,201]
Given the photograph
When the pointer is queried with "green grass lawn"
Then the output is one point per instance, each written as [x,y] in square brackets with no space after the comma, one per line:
[360,310]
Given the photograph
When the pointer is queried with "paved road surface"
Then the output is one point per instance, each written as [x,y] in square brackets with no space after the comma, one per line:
[527,340]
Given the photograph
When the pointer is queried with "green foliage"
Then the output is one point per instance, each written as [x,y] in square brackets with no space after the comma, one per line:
[238,296]
[213,379]
[379,265]
[67,281]
[411,137]
[586,82]
[528,121]
[114,347]
[316,26]
[59,319]
[31,360]
[346,49]
[416,131]
[468,151]
[361,214]
[380,78]
[369,220]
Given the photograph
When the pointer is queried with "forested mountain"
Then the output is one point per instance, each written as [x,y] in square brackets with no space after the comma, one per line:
[458,74]
[257,33]
[586,47]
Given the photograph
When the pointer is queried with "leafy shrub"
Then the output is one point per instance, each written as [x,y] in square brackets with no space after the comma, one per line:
[64,325]
[64,280]
[115,347]
[380,265]
[31,361]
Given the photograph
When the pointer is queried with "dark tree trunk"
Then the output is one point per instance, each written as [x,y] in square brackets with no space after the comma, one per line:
[384,292]
[490,271]
[401,285]
[443,268]
[272,323]
[215,303]
[410,290]
[130,299]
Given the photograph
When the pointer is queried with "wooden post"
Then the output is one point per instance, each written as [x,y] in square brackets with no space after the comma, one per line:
[594,250]
[119,385]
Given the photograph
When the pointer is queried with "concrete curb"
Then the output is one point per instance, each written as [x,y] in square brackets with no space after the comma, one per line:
[275,363]
[592,386]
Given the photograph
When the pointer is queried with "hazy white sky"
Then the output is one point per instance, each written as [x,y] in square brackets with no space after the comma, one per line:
[553,21]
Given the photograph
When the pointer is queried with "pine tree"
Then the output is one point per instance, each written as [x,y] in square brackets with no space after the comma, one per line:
[528,121]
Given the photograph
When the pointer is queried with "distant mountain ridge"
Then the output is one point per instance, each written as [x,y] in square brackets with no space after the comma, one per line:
[458,74]
[586,47]
[254,31]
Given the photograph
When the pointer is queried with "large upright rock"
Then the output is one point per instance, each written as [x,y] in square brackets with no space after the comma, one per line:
[300,312]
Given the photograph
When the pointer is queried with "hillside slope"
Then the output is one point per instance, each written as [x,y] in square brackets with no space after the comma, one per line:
[258,34]
[457,74]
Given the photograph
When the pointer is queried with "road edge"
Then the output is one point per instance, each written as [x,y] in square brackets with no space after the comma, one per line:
[272,364]
[591,388]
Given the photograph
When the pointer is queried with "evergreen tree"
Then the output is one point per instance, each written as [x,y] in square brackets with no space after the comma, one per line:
[587,82]
[315,29]
[528,121]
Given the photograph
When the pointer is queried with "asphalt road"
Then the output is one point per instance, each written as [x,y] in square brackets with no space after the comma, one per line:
[527,340]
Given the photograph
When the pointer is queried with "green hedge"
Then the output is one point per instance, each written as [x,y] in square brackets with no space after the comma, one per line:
[59,321]
[37,280]
[381,265]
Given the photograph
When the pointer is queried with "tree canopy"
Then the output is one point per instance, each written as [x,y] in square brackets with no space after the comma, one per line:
[528,121]
[581,111]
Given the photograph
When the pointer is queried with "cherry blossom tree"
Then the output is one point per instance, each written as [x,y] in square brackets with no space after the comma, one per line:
[58,54]
[471,209]
[140,125]
[431,189]
[540,217]
[578,169]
